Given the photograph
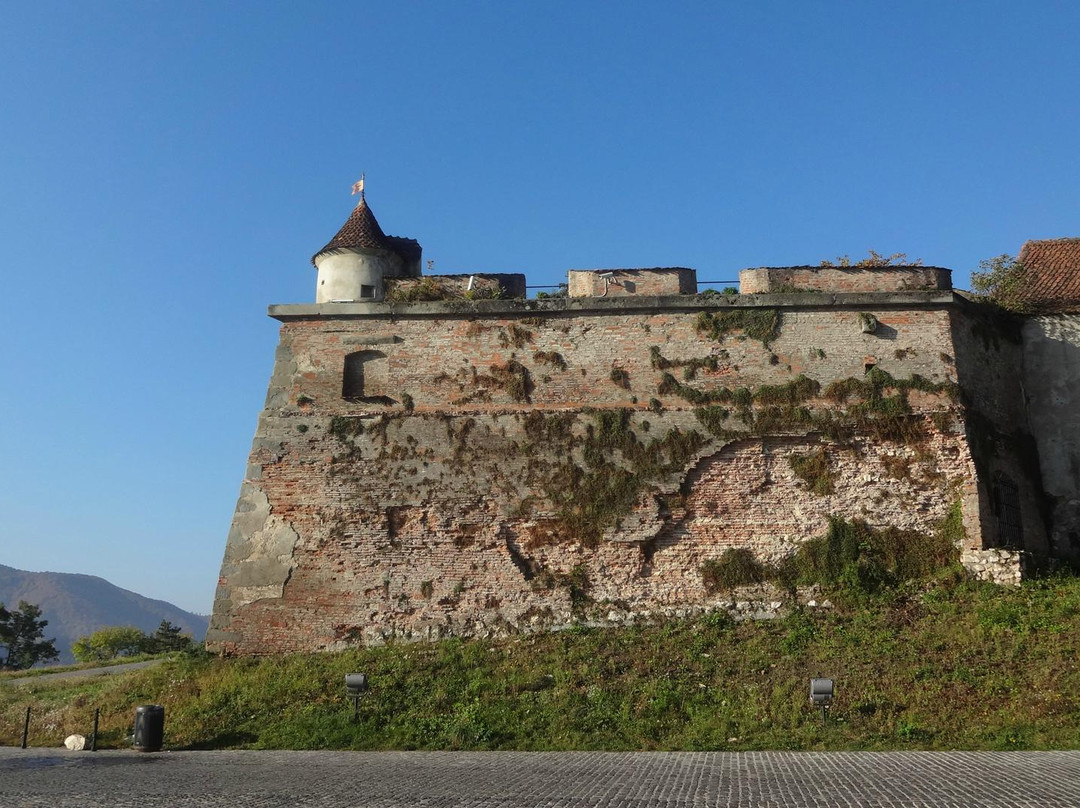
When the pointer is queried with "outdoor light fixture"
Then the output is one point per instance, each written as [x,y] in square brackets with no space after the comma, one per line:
[355,684]
[821,694]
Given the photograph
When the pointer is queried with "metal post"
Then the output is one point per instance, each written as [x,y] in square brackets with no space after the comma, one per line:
[93,738]
[26,728]
[824,714]
[356,709]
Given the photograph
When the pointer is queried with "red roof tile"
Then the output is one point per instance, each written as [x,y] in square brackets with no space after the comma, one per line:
[1052,274]
[360,230]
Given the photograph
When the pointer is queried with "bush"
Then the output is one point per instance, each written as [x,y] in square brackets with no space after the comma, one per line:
[1001,281]
[856,559]
[738,566]
[109,643]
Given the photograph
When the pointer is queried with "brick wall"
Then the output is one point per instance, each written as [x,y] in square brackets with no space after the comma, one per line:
[521,465]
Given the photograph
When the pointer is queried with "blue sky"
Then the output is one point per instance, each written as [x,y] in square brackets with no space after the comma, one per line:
[167,170]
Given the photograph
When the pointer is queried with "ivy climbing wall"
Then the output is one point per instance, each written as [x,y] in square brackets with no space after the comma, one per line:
[505,466]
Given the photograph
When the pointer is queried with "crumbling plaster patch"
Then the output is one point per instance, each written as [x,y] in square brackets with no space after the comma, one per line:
[259,552]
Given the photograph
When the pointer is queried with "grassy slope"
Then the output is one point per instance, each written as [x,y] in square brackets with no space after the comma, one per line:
[950,665]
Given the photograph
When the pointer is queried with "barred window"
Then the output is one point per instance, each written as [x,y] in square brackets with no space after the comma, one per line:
[1006,504]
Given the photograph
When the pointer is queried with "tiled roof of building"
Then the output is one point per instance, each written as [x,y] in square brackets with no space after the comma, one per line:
[360,230]
[1052,274]
[408,248]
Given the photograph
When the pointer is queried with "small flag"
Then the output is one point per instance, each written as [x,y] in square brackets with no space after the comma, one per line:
[358,187]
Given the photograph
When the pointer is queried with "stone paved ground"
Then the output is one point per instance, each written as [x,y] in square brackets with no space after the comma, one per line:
[55,779]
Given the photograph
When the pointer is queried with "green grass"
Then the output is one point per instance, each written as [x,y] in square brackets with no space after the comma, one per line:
[941,665]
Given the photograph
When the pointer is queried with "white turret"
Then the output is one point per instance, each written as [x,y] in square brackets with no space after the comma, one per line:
[353,266]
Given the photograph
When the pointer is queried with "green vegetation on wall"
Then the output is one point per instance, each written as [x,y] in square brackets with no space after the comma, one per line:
[593,496]
[814,469]
[690,366]
[762,324]
[852,560]
[856,559]
[738,566]
[553,358]
[783,408]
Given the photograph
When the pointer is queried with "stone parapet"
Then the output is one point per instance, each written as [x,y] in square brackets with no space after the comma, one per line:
[763,280]
[466,309]
[623,282]
[475,286]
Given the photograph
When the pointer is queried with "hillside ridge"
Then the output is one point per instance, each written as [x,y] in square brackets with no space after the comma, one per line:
[76,604]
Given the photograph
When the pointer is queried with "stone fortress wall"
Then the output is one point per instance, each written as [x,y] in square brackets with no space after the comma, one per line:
[481,467]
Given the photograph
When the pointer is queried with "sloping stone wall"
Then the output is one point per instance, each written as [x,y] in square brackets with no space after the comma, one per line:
[526,466]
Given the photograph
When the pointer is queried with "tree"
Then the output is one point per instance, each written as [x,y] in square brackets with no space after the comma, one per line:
[1001,281]
[109,643]
[21,638]
[167,638]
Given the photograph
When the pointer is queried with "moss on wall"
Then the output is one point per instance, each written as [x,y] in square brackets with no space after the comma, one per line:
[760,324]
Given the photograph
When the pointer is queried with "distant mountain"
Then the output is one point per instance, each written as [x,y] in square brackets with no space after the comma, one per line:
[77,605]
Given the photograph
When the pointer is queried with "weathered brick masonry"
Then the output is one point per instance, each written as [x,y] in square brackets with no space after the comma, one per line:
[485,467]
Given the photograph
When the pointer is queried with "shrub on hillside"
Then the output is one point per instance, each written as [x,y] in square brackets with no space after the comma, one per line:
[109,643]
[122,641]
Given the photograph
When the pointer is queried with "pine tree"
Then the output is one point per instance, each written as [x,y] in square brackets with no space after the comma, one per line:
[21,643]
[167,637]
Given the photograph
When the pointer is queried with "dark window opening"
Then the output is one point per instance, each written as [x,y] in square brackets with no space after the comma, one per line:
[1006,504]
[364,376]
[367,291]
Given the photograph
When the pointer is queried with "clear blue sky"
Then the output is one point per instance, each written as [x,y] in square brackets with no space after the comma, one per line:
[167,170]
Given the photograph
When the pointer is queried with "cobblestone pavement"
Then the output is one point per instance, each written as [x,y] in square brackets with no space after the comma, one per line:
[55,779]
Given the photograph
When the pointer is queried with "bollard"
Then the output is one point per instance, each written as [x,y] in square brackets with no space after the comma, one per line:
[93,738]
[149,728]
[26,728]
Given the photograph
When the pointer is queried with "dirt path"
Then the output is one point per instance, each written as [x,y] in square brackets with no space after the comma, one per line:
[80,674]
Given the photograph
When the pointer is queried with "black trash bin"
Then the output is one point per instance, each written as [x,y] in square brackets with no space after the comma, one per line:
[149,727]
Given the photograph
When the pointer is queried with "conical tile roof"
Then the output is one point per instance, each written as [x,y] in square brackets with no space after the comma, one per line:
[360,230]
